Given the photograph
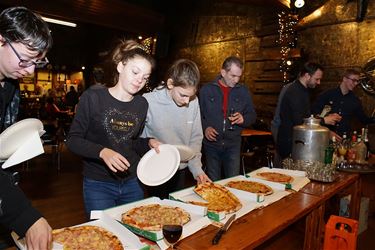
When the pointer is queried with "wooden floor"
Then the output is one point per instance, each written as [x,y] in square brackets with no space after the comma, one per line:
[58,195]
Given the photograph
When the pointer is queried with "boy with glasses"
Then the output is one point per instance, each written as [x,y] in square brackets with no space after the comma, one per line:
[344,102]
[24,41]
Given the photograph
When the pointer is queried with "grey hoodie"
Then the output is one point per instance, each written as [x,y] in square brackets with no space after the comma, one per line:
[175,125]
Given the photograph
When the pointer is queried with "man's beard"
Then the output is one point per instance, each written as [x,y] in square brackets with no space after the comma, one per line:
[311,85]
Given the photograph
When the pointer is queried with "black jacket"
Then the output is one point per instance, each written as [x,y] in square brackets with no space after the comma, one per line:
[16,212]
[295,106]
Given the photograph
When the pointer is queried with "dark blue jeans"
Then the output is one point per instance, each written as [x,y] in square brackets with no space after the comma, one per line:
[223,162]
[99,195]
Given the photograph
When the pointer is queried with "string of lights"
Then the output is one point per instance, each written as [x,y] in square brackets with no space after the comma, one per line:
[150,45]
[287,40]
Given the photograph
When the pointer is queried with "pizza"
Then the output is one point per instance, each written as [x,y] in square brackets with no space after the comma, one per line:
[219,199]
[152,217]
[276,177]
[251,186]
[86,237]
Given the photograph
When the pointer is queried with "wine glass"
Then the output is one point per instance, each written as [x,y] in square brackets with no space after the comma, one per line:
[172,233]
[230,115]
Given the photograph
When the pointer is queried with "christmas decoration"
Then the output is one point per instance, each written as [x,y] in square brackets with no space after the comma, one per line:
[287,40]
[150,45]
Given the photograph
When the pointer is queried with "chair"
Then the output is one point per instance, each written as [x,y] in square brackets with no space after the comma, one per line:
[54,139]
[258,147]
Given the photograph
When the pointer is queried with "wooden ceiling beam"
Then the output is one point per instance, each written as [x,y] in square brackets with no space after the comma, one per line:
[272,3]
[115,14]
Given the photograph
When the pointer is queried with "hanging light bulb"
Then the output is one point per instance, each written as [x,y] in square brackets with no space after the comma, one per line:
[299,3]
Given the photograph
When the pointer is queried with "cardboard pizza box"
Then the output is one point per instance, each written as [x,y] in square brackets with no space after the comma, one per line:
[279,190]
[249,202]
[198,218]
[300,179]
[127,238]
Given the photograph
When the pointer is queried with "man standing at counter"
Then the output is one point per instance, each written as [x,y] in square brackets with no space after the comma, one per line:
[226,109]
[295,106]
[343,101]
[24,41]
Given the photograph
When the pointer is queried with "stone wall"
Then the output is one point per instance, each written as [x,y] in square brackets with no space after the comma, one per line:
[338,42]
[216,29]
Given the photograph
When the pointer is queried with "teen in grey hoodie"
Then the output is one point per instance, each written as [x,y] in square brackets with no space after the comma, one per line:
[173,117]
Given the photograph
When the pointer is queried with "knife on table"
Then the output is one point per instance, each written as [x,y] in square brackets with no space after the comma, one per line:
[223,229]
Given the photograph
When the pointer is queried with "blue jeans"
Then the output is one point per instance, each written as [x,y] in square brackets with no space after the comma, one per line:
[99,195]
[223,162]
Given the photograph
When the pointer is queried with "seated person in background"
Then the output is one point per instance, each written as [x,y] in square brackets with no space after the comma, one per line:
[52,109]
[71,98]
[173,117]
[344,102]
[98,77]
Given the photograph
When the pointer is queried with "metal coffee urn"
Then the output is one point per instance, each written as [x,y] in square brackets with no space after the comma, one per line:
[310,140]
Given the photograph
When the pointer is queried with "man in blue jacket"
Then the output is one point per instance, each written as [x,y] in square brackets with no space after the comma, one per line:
[222,132]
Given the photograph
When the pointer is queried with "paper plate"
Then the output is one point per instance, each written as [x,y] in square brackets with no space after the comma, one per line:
[186,152]
[157,168]
[14,136]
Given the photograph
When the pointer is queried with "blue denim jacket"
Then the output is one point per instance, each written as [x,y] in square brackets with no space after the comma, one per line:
[211,103]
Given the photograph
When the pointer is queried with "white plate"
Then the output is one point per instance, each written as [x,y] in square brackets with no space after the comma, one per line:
[186,152]
[14,136]
[157,168]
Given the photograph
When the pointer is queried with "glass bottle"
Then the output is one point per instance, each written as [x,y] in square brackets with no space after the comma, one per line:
[351,155]
[361,151]
[329,151]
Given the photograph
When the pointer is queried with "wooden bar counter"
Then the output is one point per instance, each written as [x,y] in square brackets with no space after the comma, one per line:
[345,184]
[258,226]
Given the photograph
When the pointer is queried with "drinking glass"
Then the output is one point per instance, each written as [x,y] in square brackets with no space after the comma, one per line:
[230,115]
[342,150]
[172,233]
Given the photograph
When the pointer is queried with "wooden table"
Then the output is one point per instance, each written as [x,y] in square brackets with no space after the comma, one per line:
[258,226]
[251,132]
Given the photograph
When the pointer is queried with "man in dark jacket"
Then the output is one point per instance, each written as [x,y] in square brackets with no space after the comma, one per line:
[24,41]
[226,109]
[344,102]
[295,106]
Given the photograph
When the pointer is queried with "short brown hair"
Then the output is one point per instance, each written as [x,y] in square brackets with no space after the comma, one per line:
[352,71]
[232,60]
[184,73]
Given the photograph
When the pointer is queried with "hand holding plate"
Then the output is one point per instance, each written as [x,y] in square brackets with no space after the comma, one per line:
[153,143]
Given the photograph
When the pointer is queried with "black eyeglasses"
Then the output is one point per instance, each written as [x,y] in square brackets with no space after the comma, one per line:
[27,63]
[352,79]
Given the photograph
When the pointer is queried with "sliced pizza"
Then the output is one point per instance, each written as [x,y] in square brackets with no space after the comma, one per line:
[152,217]
[86,237]
[251,186]
[219,199]
[275,177]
